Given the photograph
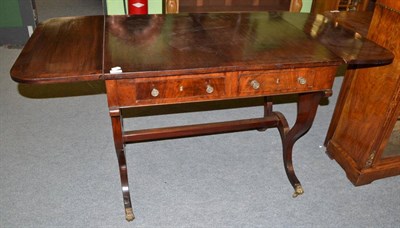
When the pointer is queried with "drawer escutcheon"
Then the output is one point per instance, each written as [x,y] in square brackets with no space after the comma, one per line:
[209,89]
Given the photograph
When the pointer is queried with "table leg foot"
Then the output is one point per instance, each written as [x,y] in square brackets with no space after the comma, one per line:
[298,190]
[306,109]
[129,216]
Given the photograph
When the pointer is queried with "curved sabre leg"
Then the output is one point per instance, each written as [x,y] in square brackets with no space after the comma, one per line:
[116,120]
[306,109]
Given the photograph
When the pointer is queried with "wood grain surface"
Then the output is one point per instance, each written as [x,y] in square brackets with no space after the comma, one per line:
[156,45]
[368,107]
[62,50]
[72,49]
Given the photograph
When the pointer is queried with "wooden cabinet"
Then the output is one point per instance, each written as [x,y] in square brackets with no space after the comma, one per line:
[321,6]
[364,135]
[353,5]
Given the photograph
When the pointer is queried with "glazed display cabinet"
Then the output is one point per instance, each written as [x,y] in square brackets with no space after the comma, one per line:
[364,135]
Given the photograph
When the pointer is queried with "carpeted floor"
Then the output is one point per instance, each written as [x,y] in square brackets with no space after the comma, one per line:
[58,167]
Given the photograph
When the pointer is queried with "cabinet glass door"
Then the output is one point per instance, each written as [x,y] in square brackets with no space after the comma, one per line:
[393,146]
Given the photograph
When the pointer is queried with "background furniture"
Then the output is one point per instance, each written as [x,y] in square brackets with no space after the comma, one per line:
[175,6]
[355,21]
[364,133]
[353,5]
[321,6]
[119,7]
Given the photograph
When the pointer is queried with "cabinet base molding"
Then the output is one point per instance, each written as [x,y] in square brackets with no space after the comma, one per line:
[361,176]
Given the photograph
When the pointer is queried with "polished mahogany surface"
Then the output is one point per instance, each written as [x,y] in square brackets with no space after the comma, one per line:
[208,43]
[368,107]
[353,47]
[62,50]
[214,42]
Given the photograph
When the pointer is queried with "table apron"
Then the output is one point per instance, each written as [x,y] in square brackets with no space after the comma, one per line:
[151,91]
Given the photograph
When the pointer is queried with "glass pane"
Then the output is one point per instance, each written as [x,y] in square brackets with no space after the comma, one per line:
[393,147]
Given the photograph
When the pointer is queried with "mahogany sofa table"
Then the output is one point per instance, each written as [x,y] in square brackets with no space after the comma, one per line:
[169,59]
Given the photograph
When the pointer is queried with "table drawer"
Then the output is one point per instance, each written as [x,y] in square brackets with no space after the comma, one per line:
[283,81]
[170,89]
[180,88]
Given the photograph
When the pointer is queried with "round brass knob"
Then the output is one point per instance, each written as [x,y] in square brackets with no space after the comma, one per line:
[155,92]
[301,80]
[209,89]
[255,84]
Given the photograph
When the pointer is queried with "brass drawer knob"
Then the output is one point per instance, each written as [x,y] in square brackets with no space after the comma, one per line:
[301,80]
[155,92]
[255,84]
[209,89]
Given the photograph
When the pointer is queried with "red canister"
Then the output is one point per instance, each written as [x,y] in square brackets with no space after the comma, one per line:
[137,7]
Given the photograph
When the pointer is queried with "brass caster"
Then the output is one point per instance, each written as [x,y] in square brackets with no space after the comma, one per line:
[129,216]
[298,190]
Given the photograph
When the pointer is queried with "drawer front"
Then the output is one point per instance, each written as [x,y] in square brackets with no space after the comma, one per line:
[170,89]
[272,82]
[215,86]
[180,88]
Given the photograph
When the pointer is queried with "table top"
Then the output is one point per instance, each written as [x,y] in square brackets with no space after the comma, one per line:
[86,48]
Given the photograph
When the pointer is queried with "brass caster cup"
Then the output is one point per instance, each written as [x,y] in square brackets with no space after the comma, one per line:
[129,216]
[298,190]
